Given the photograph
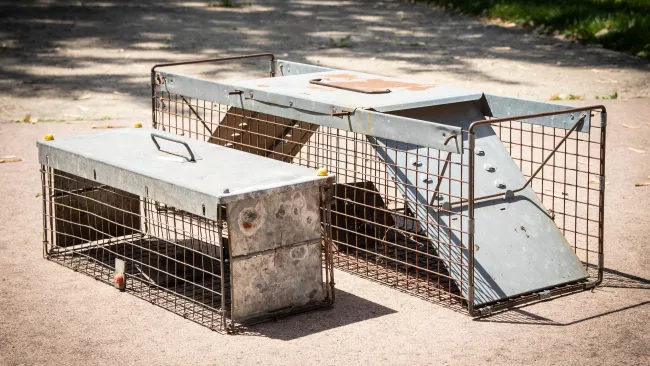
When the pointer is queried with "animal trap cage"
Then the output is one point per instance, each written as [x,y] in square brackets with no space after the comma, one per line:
[472,200]
[218,236]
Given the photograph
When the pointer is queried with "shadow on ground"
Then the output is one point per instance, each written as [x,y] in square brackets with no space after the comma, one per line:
[38,34]
[348,309]
[611,279]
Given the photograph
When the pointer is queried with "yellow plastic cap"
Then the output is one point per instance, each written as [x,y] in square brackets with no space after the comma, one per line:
[321,172]
[137,125]
[48,137]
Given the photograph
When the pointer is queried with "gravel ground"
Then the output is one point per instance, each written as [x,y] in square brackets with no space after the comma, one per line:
[73,65]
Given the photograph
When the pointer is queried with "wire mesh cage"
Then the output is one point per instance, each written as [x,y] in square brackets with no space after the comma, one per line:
[423,219]
[221,266]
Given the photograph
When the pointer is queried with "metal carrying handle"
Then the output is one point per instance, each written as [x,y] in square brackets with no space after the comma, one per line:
[319,82]
[191,158]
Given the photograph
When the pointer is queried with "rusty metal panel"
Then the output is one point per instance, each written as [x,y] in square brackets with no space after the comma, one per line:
[273,221]
[275,250]
[261,134]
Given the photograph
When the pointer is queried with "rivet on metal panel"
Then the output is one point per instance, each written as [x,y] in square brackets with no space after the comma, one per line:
[489,167]
[480,152]
[499,184]
[291,103]
[427,180]
[417,163]
[251,95]
[226,190]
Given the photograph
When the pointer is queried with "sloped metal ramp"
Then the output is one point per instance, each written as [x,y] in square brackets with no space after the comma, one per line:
[519,249]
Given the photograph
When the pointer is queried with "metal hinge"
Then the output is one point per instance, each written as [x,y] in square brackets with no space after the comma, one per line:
[603,119]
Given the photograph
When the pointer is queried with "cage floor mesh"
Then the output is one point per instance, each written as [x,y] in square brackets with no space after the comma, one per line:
[182,289]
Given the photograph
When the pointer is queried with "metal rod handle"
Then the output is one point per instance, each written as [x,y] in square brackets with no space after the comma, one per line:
[321,83]
[191,158]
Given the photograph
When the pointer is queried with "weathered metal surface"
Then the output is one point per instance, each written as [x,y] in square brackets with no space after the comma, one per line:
[128,160]
[520,249]
[275,250]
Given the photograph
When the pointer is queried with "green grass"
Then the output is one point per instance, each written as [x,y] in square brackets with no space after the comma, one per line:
[622,25]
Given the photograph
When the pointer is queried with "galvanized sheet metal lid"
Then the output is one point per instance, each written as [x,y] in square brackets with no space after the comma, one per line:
[349,90]
[128,159]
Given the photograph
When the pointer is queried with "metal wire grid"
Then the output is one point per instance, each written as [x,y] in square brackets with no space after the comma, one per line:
[570,184]
[173,257]
[374,229]
[566,169]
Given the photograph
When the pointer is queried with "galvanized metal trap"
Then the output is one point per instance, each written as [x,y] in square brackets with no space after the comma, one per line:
[464,198]
[219,236]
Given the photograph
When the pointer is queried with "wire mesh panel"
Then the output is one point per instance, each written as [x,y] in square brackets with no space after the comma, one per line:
[173,257]
[566,169]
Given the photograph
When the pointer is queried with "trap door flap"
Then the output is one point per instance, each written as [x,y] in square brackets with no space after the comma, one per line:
[518,247]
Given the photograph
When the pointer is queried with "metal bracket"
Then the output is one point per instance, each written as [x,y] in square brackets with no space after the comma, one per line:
[601,183]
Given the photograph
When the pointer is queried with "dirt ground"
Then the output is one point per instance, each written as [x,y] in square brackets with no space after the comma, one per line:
[72,65]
